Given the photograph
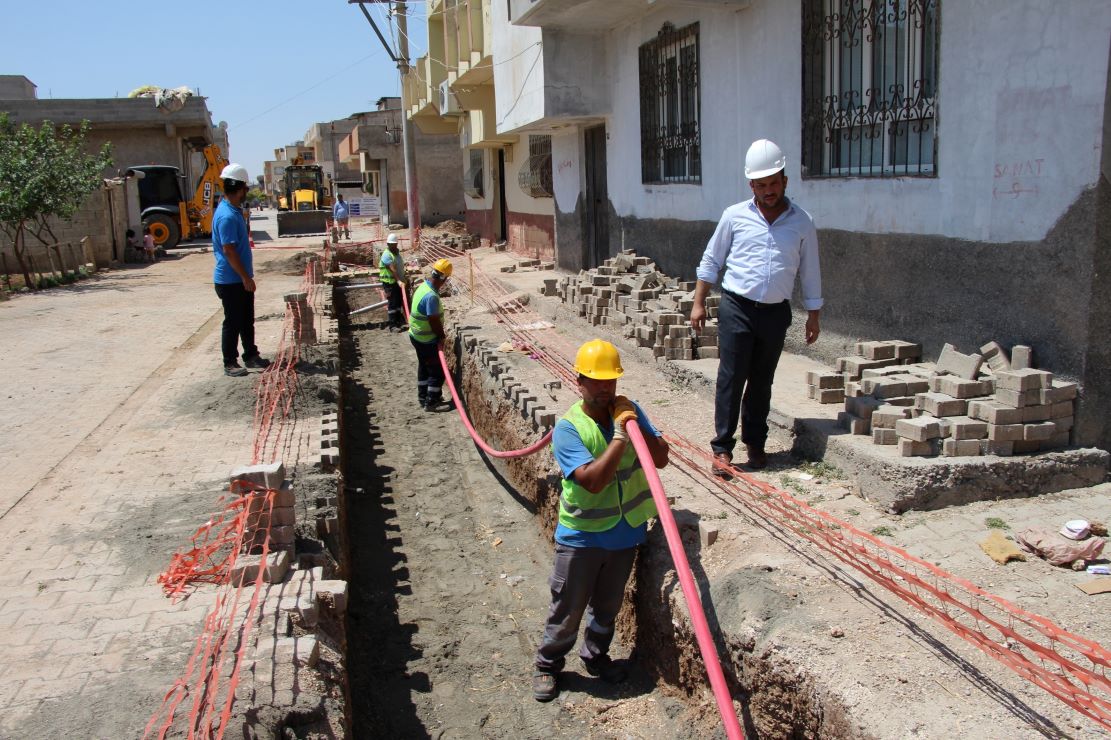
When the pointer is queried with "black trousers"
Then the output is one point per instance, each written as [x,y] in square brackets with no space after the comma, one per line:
[239,321]
[430,374]
[750,340]
[393,308]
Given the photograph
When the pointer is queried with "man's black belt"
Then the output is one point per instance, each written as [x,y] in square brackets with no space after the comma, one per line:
[749,302]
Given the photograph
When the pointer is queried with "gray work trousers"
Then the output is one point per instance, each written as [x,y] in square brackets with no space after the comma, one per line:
[583,579]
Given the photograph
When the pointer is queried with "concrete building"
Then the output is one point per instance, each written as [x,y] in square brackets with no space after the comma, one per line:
[507,175]
[374,152]
[17,87]
[955,156]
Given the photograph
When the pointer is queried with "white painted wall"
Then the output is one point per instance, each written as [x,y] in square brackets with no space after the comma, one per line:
[567,168]
[518,71]
[1022,87]
[518,200]
[486,202]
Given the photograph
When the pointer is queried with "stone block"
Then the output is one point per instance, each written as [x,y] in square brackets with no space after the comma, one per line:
[1013,399]
[825,380]
[261,476]
[887,371]
[920,429]
[711,353]
[1057,441]
[707,534]
[884,417]
[854,424]
[1005,432]
[966,428]
[246,568]
[995,356]
[1022,357]
[940,404]
[961,388]
[961,448]
[1039,431]
[862,406]
[905,350]
[1023,379]
[854,366]
[876,350]
[996,447]
[994,412]
[1060,391]
[853,389]
[883,387]
[1038,412]
[283,516]
[1061,410]
[827,395]
[332,594]
[1064,424]
[912,448]
[883,436]
[1027,446]
[959,364]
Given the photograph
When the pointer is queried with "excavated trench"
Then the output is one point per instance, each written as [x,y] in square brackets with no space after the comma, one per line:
[447,554]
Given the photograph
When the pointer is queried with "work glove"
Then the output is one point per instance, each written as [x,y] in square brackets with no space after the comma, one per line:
[623,411]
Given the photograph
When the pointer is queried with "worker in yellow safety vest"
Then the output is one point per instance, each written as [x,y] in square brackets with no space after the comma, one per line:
[391,272]
[603,513]
[426,331]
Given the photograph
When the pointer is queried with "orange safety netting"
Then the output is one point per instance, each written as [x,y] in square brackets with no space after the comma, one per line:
[1068,666]
[242,525]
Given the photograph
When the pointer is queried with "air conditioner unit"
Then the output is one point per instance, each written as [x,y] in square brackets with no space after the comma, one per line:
[449,105]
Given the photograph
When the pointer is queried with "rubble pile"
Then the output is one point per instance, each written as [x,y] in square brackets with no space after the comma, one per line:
[983,403]
[629,294]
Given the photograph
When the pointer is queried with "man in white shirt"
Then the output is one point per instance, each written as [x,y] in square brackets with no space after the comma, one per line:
[762,244]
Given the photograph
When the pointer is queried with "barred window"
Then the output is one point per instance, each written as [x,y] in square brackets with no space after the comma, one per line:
[535,177]
[473,178]
[671,107]
[869,87]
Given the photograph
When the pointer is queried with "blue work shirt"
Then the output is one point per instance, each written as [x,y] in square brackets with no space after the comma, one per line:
[230,228]
[340,210]
[571,454]
[761,260]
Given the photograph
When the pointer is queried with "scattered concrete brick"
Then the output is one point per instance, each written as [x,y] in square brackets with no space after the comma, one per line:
[961,448]
[263,476]
[246,568]
[961,388]
[825,380]
[1039,412]
[1005,432]
[940,404]
[1038,432]
[1022,357]
[1059,391]
[995,356]
[1023,379]
[884,417]
[994,412]
[829,395]
[911,448]
[332,595]
[876,350]
[919,429]
[997,447]
[883,436]
[966,428]
[707,534]
[853,423]
[959,364]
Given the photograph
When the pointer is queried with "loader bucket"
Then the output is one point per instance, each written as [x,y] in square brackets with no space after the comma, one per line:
[301,223]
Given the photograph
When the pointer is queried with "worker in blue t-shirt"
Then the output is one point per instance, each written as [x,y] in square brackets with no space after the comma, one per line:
[340,214]
[604,508]
[234,275]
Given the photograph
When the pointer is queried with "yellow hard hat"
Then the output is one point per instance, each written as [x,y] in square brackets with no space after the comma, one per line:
[598,359]
[443,267]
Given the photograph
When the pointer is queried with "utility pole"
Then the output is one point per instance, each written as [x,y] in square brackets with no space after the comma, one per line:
[408,143]
[408,139]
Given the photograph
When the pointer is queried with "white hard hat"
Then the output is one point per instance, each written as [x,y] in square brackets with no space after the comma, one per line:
[391,239]
[764,158]
[235,172]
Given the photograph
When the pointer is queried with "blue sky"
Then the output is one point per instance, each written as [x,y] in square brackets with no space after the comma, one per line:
[289,67]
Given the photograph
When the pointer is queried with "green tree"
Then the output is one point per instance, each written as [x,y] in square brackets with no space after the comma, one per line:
[44,174]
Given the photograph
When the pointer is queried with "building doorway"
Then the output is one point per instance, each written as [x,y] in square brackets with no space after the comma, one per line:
[596,245]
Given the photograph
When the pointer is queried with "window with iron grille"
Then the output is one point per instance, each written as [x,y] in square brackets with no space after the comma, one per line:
[869,87]
[535,177]
[473,178]
[671,107]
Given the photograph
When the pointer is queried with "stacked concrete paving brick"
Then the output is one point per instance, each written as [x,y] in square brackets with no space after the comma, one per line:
[304,325]
[953,407]
[515,391]
[627,292]
[329,441]
[254,481]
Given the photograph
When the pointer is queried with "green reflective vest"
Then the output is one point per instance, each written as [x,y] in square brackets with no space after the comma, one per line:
[419,327]
[627,495]
[384,272]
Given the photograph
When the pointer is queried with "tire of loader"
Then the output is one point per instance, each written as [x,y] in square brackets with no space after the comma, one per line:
[164,229]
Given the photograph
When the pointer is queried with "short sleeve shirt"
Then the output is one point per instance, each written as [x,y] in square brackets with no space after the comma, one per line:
[230,228]
[571,454]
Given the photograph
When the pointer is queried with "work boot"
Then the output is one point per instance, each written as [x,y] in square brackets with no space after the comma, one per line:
[723,465]
[257,362]
[603,667]
[234,371]
[757,458]
[545,686]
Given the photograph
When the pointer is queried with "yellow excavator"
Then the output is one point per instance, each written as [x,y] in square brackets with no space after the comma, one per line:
[171,216]
[307,204]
